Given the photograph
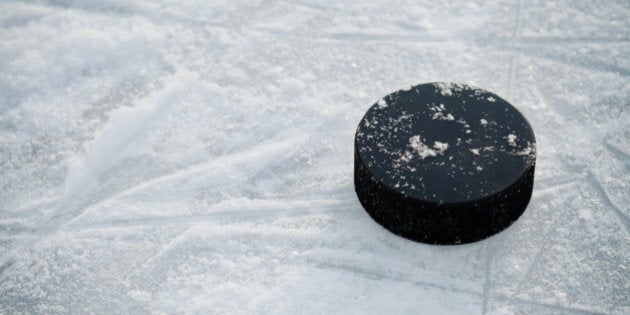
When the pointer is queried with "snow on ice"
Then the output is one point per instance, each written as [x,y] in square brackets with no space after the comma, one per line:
[196,156]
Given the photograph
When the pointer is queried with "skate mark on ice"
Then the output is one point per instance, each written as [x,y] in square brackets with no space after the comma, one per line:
[590,67]
[183,236]
[553,188]
[268,151]
[173,243]
[123,127]
[514,49]
[547,239]
[487,282]
[408,38]
[299,209]
[377,275]
[555,307]
[603,195]
[546,40]
[620,155]
[6,265]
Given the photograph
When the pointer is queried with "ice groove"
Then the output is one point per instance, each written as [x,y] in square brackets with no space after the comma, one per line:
[226,216]
[375,275]
[621,217]
[549,306]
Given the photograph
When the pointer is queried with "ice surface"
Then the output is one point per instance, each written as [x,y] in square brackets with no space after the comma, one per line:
[196,156]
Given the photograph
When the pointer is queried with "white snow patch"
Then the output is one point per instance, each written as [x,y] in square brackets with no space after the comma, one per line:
[447,88]
[483,122]
[109,146]
[444,88]
[440,146]
[425,151]
[529,152]
[441,116]
[406,157]
[511,139]
[474,151]
[381,103]
[439,113]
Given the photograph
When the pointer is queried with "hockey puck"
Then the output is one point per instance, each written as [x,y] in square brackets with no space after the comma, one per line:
[444,163]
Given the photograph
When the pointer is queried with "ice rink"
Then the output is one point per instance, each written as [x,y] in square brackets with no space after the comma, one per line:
[197,156]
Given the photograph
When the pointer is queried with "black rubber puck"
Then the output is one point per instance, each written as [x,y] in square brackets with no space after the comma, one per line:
[444,163]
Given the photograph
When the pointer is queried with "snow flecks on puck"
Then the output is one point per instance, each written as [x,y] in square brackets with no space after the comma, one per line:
[441,116]
[449,128]
[440,146]
[478,151]
[529,152]
[439,113]
[382,103]
[425,151]
[511,139]
[447,88]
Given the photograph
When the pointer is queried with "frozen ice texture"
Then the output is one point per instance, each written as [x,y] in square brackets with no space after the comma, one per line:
[196,156]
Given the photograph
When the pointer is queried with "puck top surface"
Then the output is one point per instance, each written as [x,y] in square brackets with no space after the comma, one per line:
[445,143]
